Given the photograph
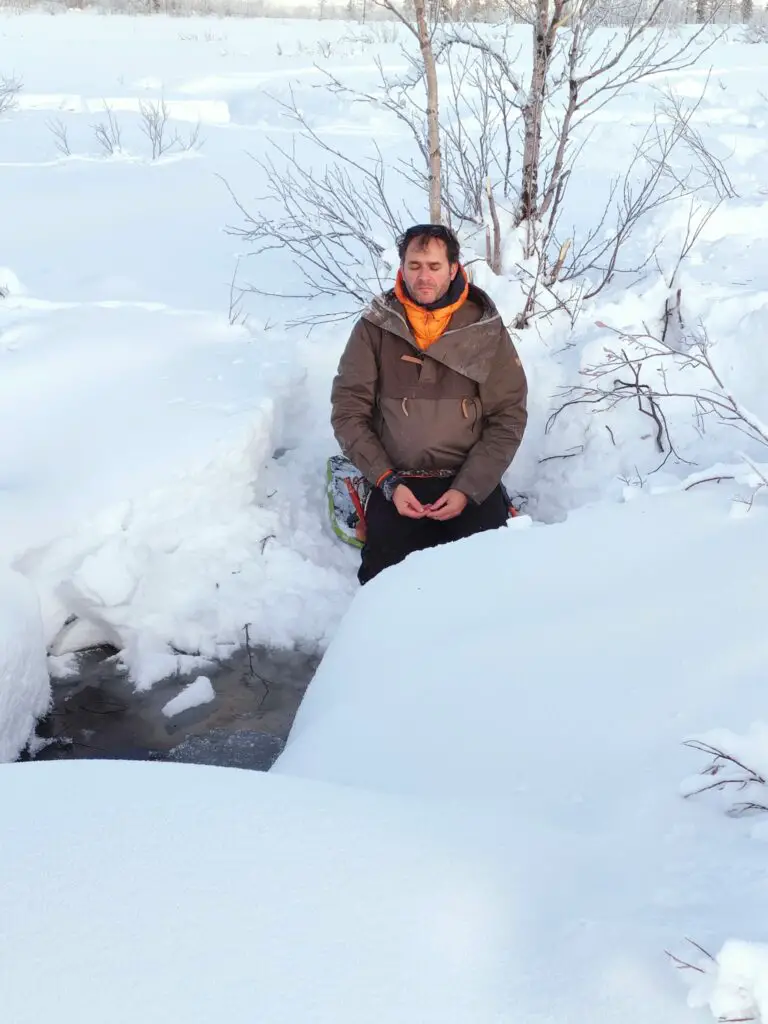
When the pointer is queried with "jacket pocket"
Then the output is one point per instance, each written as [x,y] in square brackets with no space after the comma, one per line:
[472,411]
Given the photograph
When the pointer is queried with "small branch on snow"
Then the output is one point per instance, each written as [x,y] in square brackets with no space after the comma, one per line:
[566,455]
[708,480]
[683,965]
[720,760]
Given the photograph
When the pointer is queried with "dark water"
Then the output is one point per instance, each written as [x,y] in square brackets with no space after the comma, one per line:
[98,714]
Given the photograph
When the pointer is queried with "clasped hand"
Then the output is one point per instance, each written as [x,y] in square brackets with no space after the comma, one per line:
[450,505]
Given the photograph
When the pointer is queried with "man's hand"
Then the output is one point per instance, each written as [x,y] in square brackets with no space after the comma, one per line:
[407,504]
[449,506]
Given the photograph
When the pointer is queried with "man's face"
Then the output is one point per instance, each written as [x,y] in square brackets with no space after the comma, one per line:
[426,271]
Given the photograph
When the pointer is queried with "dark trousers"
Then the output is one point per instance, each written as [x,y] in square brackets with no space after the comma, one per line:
[390,537]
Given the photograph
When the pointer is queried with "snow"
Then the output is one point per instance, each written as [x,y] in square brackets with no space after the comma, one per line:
[24,686]
[736,990]
[549,677]
[226,894]
[651,604]
[485,821]
[199,691]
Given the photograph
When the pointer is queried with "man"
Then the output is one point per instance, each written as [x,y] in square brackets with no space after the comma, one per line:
[429,403]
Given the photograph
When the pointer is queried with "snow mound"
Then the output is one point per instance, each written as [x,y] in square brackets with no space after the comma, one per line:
[467,640]
[734,984]
[9,283]
[25,690]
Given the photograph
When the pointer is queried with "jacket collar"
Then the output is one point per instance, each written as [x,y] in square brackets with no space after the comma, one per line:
[469,344]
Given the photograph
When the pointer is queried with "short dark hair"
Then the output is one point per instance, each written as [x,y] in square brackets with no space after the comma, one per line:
[425,233]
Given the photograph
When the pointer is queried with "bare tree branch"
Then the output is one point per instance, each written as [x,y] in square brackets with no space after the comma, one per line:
[331,222]
[607,385]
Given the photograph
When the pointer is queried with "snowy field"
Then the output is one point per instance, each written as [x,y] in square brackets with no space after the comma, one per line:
[487,811]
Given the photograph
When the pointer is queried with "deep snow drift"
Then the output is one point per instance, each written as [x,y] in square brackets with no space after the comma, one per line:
[549,677]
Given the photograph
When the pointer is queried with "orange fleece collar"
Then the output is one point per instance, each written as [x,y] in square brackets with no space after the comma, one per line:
[428,324]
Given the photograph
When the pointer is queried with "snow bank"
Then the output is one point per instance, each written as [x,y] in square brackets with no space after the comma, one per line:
[248,898]
[172,579]
[441,678]
[549,676]
[24,684]
[734,984]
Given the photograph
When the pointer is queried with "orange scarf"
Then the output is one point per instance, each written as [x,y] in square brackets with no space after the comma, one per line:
[428,324]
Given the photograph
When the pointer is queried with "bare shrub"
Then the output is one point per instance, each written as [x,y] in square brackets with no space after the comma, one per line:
[329,221]
[154,124]
[495,154]
[109,134]
[637,368]
[10,87]
[59,130]
[755,34]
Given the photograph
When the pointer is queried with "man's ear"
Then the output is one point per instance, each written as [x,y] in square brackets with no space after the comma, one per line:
[454,271]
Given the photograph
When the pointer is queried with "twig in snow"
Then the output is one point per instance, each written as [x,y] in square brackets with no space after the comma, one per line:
[58,129]
[9,93]
[236,315]
[708,480]
[720,760]
[743,778]
[248,649]
[683,965]
[566,455]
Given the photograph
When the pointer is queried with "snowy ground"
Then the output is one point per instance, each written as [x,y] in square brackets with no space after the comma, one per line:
[225,894]
[487,823]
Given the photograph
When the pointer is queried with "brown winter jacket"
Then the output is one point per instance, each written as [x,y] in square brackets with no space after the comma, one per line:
[459,405]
